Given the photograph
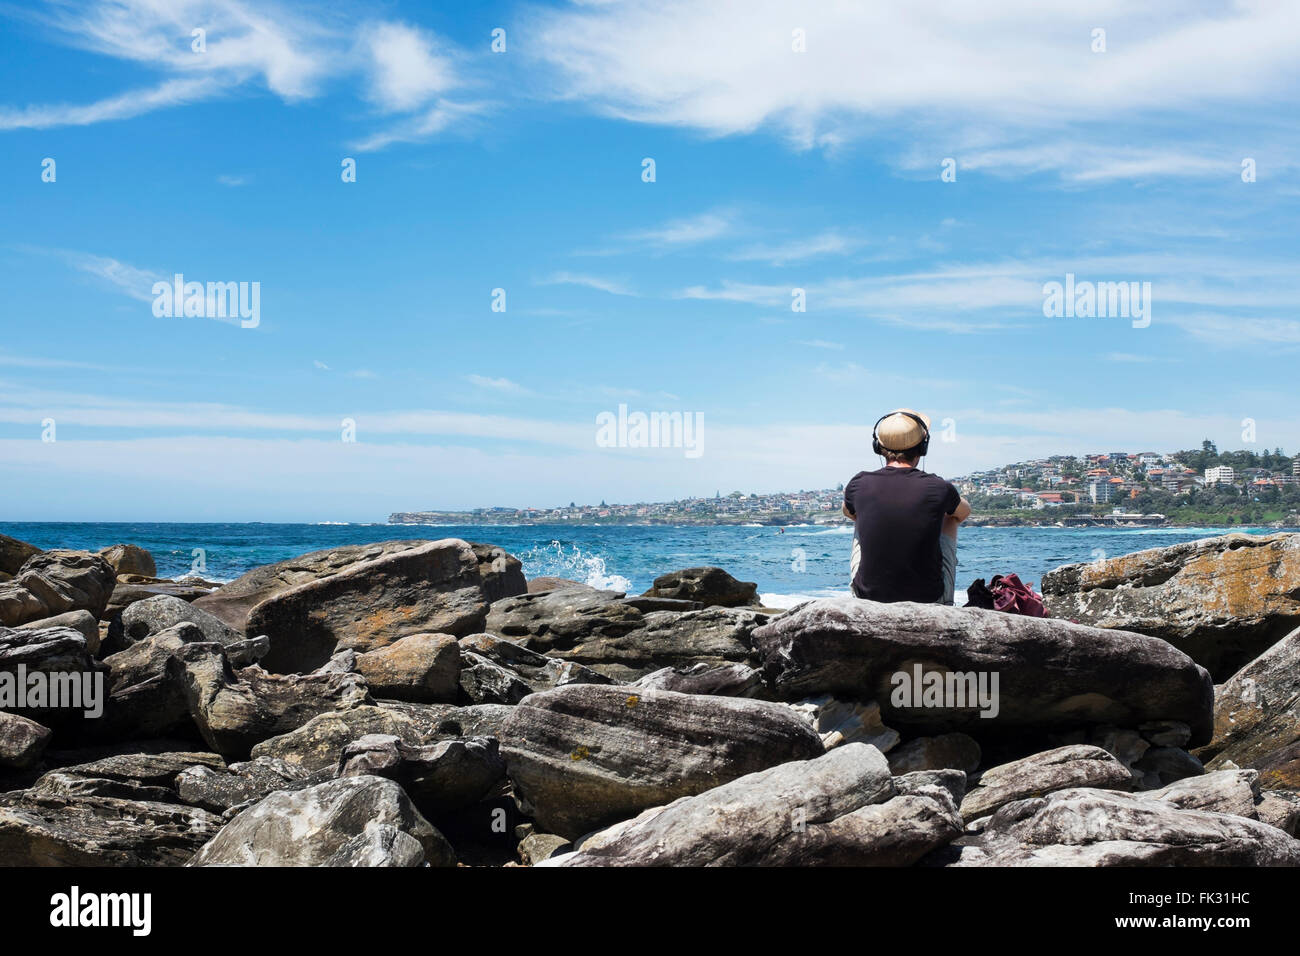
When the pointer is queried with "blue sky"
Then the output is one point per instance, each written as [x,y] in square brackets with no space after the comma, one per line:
[522,170]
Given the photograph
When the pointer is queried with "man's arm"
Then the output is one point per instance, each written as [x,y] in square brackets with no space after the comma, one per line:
[844,510]
[961,512]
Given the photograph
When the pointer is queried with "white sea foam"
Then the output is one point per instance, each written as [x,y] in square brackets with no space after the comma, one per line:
[838,529]
[554,560]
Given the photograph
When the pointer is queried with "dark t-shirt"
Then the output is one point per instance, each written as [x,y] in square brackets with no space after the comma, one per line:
[898,516]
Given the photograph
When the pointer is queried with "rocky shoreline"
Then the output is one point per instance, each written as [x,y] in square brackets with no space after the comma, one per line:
[420,702]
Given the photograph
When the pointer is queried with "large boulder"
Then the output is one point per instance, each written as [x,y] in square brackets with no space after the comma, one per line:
[1049,673]
[1223,601]
[234,710]
[1257,710]
[707,586]
[145,698]
[320,742]
[309,827]
[53,582]
[433,587]
[130,559]
[500,575]
[14,554]
[625,638]
[1089,827]
[587,755]
[142,619]
[839,809]
[425,668]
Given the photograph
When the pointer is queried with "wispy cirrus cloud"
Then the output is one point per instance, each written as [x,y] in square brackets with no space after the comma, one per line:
[496,384]
[686,231]
[599,283]
[294,52]
[1010,84]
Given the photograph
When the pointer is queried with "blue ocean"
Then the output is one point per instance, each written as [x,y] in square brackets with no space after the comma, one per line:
[804,561]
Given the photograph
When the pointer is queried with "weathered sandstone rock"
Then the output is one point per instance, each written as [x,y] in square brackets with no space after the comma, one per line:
[434,587]
[129,559]
[840,809]
[708,586]
[1223,601]
[1060,769]
[309,827]
[585,756]
[321,741]
[1051,674]
[1257,710]
[424,668]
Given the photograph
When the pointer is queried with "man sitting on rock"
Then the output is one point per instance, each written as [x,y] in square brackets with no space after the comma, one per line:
[905,520]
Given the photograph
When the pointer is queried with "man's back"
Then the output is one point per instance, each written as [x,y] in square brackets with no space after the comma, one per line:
[898,515]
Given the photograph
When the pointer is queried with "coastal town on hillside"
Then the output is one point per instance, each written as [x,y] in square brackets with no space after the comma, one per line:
[1114,488]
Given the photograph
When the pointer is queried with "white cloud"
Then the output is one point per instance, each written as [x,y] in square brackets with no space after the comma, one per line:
[137,283]
[292,51]
[497,384]
[443,115]
[949,75]
[701,228]
[320,365]
[232,181]
[612,286]
[797,250]
[823,344]
[123,106]
[406,69]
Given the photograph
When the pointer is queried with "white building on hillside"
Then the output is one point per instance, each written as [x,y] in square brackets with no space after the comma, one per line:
[1223,473]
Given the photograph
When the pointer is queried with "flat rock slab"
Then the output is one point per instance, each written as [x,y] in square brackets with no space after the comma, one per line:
[839,809]
[54,830]
[1050,674]
[587,755]
[1087,827]
[1223,601]
[1059,769]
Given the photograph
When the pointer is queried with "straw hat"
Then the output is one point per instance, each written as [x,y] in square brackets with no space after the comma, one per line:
[898,432]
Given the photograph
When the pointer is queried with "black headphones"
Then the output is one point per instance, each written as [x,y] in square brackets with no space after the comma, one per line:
[921,448]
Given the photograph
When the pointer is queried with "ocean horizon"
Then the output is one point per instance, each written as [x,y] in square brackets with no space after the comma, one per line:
[805,561]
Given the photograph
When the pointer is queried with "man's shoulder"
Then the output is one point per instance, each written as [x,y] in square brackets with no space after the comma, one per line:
[931,476]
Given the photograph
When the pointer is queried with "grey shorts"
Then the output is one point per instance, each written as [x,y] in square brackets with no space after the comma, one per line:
[948,552]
